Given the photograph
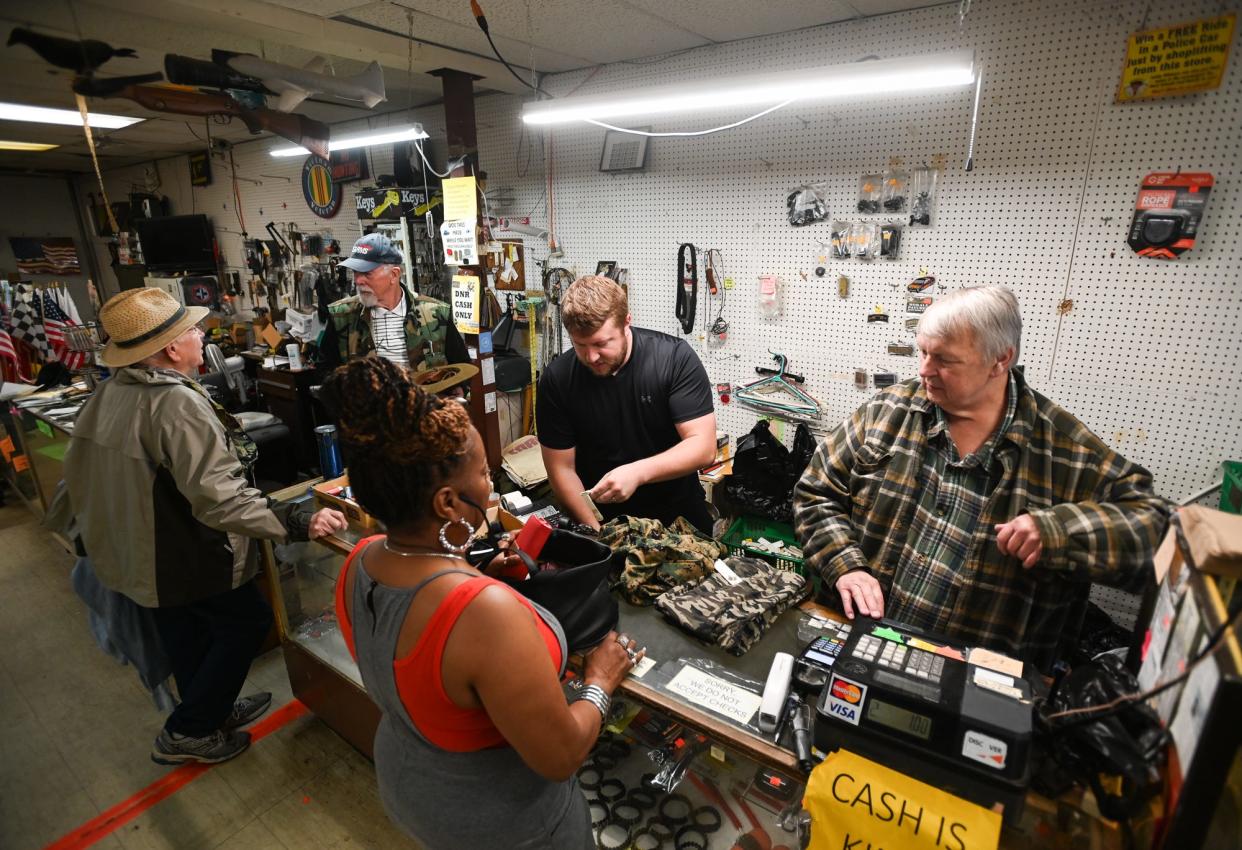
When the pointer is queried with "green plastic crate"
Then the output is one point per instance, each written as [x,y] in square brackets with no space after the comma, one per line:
[752,528]
[1231,489]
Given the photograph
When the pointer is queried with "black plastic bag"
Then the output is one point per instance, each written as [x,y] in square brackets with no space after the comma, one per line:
[1099,634]
[800,456]
[765,472]
[1128,743]
[762,462]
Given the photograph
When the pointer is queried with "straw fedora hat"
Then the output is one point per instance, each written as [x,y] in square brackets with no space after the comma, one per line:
[437,379]
[139,322]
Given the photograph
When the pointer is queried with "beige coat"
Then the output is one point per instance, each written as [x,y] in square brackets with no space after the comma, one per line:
[161,500]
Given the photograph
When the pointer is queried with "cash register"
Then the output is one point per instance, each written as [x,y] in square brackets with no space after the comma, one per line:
[951,716]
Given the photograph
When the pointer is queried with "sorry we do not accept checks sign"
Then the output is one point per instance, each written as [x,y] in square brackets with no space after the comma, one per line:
[856,804]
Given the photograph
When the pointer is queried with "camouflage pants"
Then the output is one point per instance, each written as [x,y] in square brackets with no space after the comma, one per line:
[657,558]
[734,616]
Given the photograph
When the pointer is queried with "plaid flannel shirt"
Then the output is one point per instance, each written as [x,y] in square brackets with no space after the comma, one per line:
[1098,518]
[953,492]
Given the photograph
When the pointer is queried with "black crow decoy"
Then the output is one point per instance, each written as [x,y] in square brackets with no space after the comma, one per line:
[82,57]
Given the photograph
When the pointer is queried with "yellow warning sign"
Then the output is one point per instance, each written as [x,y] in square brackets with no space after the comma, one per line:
[856,803]
[1181,59]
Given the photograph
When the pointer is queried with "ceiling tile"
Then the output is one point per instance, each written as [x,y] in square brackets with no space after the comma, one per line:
[729,20]
[322,8]
[566,35]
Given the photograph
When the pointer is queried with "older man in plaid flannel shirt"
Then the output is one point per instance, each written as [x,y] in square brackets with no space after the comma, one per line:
[966,503]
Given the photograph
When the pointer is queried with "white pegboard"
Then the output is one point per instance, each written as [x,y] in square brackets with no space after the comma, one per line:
[1148,357]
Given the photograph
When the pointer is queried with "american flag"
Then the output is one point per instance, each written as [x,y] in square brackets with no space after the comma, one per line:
[8,352]
[54,323]
[45,255]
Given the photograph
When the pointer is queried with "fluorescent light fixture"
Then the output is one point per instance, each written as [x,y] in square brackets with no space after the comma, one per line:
[857,79]
[68,117]
[403,135]
[25,146]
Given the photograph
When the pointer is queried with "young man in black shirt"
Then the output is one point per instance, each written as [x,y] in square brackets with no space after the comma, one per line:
[628,415]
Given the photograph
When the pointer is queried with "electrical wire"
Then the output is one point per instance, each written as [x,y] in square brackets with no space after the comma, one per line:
[695,133]
[481,19]
[715,268]
[237,207]
[418,147]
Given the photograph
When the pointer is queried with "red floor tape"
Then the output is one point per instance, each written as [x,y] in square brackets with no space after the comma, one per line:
[122,813]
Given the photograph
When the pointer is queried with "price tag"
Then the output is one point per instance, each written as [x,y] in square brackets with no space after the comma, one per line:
[727,573]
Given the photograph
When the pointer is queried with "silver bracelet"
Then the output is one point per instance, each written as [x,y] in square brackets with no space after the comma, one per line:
[597,697]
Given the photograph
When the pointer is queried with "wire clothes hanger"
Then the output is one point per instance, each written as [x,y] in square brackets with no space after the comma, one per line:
[801,404]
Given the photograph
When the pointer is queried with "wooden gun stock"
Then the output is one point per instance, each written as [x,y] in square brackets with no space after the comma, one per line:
[310,134]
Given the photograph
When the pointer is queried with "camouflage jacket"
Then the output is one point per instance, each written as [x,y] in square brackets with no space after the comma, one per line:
[348,334]
[734,616]
[657,558]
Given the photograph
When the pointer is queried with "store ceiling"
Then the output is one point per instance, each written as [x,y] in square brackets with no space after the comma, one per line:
[549,35]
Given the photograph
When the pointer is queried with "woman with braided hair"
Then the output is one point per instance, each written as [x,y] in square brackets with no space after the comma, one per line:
[476,747]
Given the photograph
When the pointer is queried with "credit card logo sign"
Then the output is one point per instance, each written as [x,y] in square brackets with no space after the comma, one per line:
[844,690]
[845,700]
[985,749]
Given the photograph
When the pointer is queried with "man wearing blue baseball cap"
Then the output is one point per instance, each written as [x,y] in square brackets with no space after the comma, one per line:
[385,319]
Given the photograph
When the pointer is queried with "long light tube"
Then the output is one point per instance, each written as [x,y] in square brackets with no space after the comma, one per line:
[403,135]
[68,117]
[857,79]
[26,146]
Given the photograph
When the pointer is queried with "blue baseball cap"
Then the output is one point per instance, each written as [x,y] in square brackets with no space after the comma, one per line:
[371,252]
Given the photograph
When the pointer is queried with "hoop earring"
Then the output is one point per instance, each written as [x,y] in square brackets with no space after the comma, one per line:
[452,547]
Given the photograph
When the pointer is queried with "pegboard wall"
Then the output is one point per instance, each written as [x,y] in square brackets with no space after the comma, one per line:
[1148,356]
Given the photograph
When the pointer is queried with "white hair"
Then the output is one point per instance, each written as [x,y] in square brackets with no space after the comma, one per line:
[989,314]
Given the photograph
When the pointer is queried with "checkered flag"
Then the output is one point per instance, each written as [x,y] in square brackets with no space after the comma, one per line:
[54,324]
[26,324]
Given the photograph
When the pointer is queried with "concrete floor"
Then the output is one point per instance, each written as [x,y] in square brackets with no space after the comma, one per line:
[76,731]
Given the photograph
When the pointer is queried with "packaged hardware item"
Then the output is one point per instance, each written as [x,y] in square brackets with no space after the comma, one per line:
[840,240]
[1167,213]
[895,191]
[923,195]
[870,193]
[769,297]
[890,241]
[807,204]
[865,240]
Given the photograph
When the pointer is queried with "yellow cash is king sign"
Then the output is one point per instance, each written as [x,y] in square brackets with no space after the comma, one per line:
[856,804]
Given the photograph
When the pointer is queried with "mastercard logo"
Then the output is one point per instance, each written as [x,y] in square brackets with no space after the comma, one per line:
[843,690]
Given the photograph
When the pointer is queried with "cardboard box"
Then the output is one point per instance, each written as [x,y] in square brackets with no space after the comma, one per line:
[359,519]
[1215,540]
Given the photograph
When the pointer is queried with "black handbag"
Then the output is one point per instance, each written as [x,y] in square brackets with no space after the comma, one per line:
[572,584]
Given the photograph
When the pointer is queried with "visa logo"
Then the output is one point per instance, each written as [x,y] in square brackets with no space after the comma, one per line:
[845,712]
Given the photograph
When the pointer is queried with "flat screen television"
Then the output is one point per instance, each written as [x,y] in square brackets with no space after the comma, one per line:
[179,243]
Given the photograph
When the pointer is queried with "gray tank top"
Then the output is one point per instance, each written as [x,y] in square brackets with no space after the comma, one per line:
[483,800]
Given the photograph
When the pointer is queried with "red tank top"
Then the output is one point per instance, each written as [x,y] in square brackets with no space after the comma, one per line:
[440,720]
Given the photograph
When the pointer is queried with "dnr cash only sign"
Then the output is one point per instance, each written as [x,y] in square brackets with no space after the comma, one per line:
[856,804]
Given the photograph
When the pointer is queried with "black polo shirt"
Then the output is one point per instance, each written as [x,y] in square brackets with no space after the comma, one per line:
[629,416]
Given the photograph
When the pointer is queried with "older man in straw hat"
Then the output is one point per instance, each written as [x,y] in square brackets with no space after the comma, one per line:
[156,477]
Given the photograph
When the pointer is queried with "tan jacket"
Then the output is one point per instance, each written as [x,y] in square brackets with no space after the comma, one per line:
[161,500]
